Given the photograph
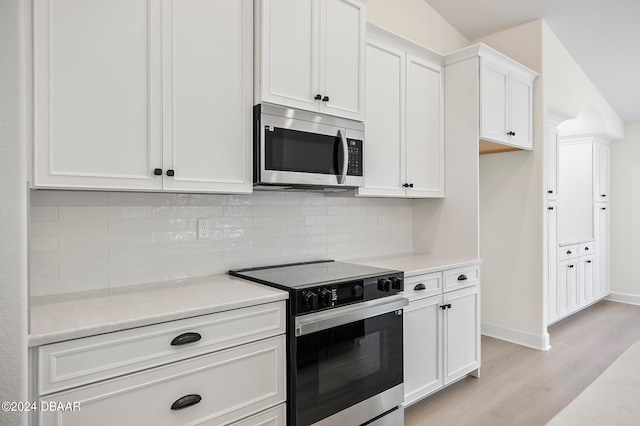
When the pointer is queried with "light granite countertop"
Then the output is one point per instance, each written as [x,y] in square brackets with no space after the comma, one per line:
[71,316]
[415,264]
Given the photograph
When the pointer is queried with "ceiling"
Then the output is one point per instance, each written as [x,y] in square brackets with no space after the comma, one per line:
[603,36]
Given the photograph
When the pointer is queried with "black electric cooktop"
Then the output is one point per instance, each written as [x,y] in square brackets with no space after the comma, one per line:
[309,274]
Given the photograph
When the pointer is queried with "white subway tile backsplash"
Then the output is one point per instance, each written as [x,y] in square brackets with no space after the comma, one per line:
[82,240]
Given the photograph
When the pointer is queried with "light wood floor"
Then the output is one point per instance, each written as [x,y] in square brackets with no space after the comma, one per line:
[522,386]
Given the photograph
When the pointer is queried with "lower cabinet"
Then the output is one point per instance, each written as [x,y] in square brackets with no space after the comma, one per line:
[441,340]
[241,384]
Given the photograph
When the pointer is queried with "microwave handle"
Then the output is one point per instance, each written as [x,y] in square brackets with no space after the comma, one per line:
[345,160]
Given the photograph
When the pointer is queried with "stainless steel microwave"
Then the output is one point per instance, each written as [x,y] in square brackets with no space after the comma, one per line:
[298,149]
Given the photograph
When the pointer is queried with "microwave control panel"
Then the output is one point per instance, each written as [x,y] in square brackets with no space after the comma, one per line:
[355,157]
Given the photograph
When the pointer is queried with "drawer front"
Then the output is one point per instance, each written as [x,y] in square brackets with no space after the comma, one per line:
[420,286]
[276,416]
[87,360]
[567,252]
[461,277]
[586,248]
[230,384]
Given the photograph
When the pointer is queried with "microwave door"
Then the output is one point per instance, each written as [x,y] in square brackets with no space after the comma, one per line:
[302,153]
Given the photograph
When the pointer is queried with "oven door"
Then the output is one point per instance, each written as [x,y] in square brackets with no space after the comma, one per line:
[348,366]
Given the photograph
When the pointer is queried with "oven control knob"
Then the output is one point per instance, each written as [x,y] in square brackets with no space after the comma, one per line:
[326,296]
[384,284]
[357,291]
[396,283]
[310,299]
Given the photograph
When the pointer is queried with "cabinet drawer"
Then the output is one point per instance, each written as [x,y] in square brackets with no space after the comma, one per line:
[78,362]
[461,277]
[229,385]
[276,416]
[567,252]
[586,248]
[420,286]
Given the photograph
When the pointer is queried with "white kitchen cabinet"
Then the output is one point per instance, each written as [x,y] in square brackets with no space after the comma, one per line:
[441,336]
[404,156]
[310,55]
[129,95]
[601,232]
[586,288]
[212,369]
[552,277]
[505,98]
[600,172]
[576,284]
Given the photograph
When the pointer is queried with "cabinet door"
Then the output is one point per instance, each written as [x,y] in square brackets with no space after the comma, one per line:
[461,333]
[586,291]
[567,286]
[384,157]
[552,241]
[422,348]
[342,47]
[208,107]
[520,111]
[97,87]
[600,172]
[601,232]
[289,53]
[552,164]
[493,98]
[425,134]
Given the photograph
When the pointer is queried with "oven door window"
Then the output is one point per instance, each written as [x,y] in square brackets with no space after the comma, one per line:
[290,150]
[345,365]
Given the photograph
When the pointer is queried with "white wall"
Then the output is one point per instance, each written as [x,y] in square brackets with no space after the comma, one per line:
[625,214]
[418,21]
[567,89]
[13,239]
[511,215]
[96,240]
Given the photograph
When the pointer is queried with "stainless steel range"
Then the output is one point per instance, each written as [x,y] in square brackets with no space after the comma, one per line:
[344,342]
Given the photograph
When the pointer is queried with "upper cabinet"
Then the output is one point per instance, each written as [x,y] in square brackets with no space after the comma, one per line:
[404,155]
[130,95]
[310,55]
[506,99]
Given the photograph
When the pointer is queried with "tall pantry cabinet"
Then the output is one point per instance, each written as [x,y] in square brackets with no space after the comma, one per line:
[578,222]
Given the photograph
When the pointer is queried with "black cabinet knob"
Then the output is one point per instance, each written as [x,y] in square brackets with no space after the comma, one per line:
[443,307]
[157,172]
[550,191]
[325,99]
[571,266]
[171,172]
[568,251]
[406,185]
[588,261]
[318,97]
[550,208]
[448,305]
[603,208]
[586,249]
[603,195]
[410,185]
[186,401]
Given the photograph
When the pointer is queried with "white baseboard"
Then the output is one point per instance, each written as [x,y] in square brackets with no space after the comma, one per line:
[632,299]
[519,337]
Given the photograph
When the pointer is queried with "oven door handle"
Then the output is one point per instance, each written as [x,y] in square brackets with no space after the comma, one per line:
[307,324]
[345,157]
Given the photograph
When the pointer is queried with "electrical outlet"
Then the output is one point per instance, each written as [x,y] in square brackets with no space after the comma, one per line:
[380,222]
[203,229]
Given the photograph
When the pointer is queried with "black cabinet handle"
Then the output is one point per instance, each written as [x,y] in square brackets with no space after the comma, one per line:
[550,208]
[420,287]
[157,172]
[588,261]
[325,99]
[171,172]
[410,185]
[603,208]
[550,191]
[568,251]
[462,277]
[571,266]
[406,185]
[318,97]
[586,249]
[603,195]
[443,307]
[186,338]
[186,401]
